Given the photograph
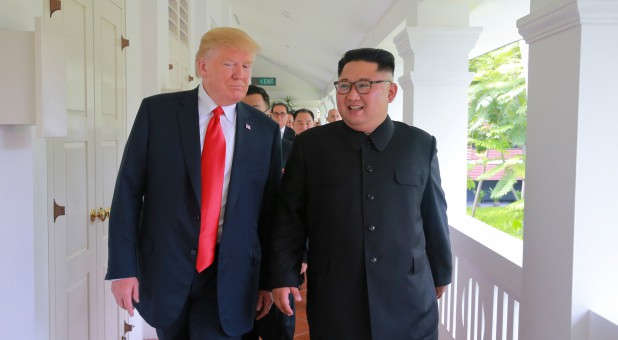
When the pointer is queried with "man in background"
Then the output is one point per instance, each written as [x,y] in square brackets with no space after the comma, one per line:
[275,325]
[333,115]
[193,200]
[279,113]
[303,120]
[258,98]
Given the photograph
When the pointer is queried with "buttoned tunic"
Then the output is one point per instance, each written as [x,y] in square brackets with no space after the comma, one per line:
[374,213]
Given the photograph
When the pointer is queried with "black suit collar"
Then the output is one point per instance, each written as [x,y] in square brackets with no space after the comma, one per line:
[380,137]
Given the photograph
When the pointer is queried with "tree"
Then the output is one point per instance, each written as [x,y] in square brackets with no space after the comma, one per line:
[290,101]
[497,118]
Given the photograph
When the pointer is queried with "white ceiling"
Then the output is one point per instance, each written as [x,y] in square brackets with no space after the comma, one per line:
[307,38]
[302,41]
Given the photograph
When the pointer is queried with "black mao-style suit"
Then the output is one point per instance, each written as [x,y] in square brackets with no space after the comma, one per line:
[374,213]
[154,227]
[288,134]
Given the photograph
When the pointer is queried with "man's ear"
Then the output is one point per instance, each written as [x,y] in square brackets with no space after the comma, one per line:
[392,92]
[200,66]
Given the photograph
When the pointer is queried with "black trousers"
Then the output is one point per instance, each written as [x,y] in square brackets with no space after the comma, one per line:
[274,326]
[199,319]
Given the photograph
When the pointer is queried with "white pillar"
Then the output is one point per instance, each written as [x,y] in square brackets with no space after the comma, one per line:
[435,87]
[570,254]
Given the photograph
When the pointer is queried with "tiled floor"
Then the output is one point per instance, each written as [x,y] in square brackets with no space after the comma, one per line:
[302,327]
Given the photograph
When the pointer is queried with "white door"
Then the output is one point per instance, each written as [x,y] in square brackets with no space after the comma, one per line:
[84,166]
[110,136]
[73,236]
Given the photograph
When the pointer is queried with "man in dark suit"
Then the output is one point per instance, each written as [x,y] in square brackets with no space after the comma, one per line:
[157,242]
[366,193]
[280,114]
[275,325]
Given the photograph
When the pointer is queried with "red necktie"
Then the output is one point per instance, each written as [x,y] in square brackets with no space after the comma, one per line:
[213,165]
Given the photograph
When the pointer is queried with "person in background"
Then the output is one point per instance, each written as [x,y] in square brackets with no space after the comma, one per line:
[290,121]
[257,98]
[333,115]
[303,120]
[193,202]
[275,325]
[279,113]
[367,195]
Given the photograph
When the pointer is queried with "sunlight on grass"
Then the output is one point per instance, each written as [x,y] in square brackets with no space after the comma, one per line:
[511,222]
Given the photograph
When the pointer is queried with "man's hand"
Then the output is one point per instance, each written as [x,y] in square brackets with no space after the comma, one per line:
[440,291]
[265,301]
[125,292]
[282,300]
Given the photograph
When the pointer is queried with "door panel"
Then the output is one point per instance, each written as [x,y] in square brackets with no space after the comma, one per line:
[110,138]
[73,239]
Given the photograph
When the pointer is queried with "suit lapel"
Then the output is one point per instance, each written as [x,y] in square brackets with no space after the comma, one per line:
[241,152]
[189,124]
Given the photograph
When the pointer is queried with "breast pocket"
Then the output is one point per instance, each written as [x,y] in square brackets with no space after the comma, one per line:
[410,177]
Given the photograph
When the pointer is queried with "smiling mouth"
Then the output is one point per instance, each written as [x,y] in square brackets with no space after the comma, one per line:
[354,107]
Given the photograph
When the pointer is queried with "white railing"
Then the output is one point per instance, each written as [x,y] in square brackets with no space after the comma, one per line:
[483,300]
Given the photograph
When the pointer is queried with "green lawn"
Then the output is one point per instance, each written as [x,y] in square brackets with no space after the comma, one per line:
[511,222]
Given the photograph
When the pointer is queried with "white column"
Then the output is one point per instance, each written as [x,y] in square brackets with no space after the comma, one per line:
[434,87]
[571,231]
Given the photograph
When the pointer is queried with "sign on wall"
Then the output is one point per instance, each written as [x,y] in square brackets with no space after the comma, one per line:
[264,81]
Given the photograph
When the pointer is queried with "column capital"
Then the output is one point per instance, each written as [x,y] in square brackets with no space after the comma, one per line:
[562,16]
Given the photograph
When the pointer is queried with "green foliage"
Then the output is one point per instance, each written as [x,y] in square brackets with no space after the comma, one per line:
[290,101]
[497,99]
[502,218]
[497,121]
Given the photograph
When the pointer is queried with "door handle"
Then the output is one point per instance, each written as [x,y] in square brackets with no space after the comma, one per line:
[102,214]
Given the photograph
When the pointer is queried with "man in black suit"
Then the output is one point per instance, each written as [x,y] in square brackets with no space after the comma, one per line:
[275,325]
[155,233]
[366,193]
[280,114]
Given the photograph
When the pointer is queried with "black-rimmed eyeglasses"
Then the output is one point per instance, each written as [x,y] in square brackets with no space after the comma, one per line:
[361,86]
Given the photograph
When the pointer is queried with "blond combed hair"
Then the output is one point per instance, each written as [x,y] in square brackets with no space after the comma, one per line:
[229,37]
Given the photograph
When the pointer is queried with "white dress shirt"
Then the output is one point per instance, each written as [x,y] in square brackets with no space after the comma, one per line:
[205,105]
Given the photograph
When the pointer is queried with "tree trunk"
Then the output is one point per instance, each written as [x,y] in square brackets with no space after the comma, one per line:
[477,194]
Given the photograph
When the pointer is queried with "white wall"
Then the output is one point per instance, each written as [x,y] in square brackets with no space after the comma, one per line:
[17,251]
[17,230]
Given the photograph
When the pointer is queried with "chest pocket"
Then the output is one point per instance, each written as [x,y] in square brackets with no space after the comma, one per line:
[409,177]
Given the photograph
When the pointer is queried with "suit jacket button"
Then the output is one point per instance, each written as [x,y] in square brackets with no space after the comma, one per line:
[373,260]
[197,217]
[369,168]
[193,252]
[371,228]
[370,197]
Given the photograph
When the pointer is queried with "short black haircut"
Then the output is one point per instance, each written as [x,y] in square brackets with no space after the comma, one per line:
[305,111]
[287,108]
[258,90]
[384,59]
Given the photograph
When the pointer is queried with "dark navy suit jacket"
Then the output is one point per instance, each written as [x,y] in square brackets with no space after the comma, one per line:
[155,219]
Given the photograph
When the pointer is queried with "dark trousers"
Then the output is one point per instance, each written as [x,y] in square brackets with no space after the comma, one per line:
[199,319]
[274,326]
